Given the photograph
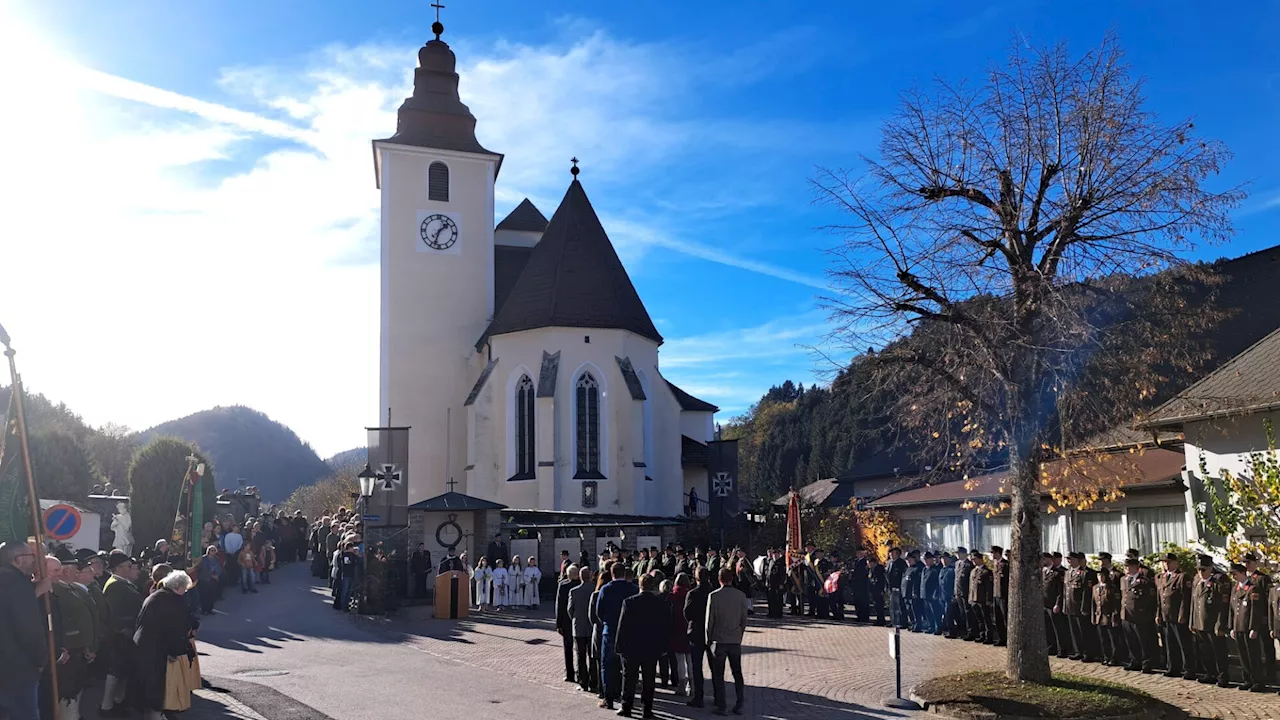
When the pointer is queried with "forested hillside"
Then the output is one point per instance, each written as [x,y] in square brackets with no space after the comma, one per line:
[796,435]
[246,445]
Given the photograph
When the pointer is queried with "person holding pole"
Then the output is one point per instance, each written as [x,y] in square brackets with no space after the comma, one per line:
[23,654]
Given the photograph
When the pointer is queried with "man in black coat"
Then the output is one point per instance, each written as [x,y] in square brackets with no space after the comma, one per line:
[893,575]
[644,633]
[859,585]
[775,578]
[22,625]
[419,567]
[877,583]
[695,612]
[564,621]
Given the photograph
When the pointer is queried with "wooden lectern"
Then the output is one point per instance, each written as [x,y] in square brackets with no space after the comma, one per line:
[453,595]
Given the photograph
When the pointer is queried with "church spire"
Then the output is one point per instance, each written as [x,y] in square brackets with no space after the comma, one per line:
[435,116]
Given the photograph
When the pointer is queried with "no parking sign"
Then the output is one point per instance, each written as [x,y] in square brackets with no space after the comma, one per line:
[61,521]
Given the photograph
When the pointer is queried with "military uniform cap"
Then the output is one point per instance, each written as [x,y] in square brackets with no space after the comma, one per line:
[1237,567]
[1104,556]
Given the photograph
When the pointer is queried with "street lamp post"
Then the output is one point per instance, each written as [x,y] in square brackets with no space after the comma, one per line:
[367,478]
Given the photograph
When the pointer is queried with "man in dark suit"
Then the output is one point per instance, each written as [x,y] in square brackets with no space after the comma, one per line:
[609,610]
[775,574]
[644,632]
[695,612]
[893,575]
[564,621]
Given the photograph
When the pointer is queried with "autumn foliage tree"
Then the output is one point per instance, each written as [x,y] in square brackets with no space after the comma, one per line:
[1015,227]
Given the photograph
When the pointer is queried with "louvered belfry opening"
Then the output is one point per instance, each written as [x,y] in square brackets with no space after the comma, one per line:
[438,182]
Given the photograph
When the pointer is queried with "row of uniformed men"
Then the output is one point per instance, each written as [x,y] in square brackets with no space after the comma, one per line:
[1179,619]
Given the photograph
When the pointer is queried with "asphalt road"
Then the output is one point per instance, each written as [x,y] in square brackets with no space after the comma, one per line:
[286,653]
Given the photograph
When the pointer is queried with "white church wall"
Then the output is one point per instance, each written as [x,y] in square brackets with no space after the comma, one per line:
[667,472]
[698,425]
[621,436]
[434,305]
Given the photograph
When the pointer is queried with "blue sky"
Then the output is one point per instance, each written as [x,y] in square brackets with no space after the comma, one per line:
[189,185]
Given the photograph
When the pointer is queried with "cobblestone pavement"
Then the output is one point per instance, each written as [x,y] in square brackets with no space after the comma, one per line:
[794,668]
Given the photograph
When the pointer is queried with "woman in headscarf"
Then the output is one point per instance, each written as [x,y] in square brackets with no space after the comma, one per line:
[164,631]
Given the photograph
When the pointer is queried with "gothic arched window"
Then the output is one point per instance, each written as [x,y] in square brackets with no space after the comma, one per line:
[587,405]
[438,182]
[524,432]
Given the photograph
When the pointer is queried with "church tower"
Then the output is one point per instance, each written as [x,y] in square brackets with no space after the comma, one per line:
[437,184]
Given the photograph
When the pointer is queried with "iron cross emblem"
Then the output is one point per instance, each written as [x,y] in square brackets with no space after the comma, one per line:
[390,476]
[722,484]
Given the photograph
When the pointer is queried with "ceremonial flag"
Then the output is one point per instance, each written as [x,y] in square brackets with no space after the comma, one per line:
[795,546]
[197,513]
[14,513]
[389,459]
[722,467]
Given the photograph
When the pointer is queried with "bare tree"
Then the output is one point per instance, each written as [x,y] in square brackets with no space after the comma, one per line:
[1007,238]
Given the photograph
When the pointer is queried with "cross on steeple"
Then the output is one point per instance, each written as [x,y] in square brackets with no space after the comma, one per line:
[437,27]
[451,484]
[574,170]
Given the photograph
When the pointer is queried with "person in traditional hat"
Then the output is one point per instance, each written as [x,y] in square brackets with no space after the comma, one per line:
[82,631]
[909,592]
[1106,612]
[1209,619]
[897,567]
[1248,626]
[1174,588]
[1056,631]
[1000,573]
[1138,615]
[960,620]
[1262,582]
[946,594]
[1077,597]
[125,602]
[980,584]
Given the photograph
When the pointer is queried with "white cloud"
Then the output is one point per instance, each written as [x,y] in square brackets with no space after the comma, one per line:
[175,253]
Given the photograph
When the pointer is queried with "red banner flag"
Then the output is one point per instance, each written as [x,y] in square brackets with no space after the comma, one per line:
[795,546]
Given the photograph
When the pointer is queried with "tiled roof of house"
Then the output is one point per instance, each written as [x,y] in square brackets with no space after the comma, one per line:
[525,218]
[692,452]
[1146,469]
[1247,383]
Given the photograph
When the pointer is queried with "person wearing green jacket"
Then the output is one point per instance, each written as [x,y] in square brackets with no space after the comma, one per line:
[125,602]
[81,632]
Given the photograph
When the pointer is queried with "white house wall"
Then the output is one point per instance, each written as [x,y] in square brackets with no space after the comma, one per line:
[1224,444]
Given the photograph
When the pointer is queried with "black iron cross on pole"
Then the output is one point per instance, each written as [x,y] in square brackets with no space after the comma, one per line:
[438,8]
[451,484]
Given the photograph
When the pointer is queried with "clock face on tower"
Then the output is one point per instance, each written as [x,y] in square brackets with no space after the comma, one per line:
[438,232]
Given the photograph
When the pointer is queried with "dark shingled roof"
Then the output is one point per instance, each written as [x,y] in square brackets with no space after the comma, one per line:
[525,218]
[1154,468]
[508,263]
[573,279]
[692,452]
[456,501]
[1247,383]
[690,403]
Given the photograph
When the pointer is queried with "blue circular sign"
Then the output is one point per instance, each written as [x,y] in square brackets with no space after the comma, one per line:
[61,522]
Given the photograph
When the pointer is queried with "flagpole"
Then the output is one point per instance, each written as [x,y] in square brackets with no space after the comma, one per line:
[33,500]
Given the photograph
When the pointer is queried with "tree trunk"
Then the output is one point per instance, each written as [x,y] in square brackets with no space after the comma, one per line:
[1028,658]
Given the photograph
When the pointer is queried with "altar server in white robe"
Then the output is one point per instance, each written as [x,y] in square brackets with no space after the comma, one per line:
[515,582]
[483,578]
[501,585]
[533,581]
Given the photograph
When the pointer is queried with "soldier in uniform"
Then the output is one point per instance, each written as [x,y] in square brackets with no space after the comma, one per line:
[910,591]
[877,583]
[960,600]
[1209,620]
[1106,612]
[81,633]
[893,576]
[1057,633]
[1263,582]
[946,590]
[999,595]
[1077,598]
[928,620]
[1175,598]
[980,599]
[1248,626]
[1138,616]
[859,584]
[125,602]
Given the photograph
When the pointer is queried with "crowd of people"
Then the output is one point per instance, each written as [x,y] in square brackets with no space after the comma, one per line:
[652,618]
[119,622]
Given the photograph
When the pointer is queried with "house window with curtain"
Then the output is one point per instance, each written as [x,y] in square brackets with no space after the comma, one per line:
[947,533]
[1052,535]
[917,530]
[994,531]
[438,182]
[1150,528]
[1100,532]
[525,436]
[587,406]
